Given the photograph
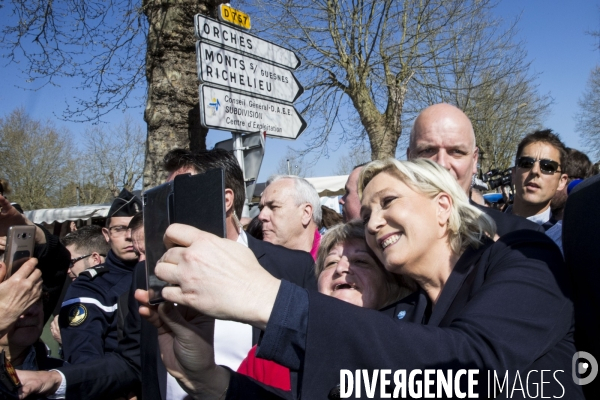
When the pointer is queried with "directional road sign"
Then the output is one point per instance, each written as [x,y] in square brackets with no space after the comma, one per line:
[216,32]
[227,110]
[224,67]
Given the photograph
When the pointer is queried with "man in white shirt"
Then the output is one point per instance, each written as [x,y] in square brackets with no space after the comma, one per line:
[537,176]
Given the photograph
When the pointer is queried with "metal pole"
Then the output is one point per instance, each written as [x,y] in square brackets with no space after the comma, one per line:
[238,151]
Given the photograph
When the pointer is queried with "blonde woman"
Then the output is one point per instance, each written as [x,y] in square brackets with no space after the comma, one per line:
[492,308]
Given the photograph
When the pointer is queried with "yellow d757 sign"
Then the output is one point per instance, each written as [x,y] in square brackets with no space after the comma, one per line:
[236,17]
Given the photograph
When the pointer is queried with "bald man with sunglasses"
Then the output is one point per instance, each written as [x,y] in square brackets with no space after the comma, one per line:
[537,176]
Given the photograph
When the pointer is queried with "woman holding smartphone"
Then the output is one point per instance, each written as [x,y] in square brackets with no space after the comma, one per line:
[492,307]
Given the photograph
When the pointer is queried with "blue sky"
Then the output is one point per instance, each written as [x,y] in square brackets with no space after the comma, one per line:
[553,32]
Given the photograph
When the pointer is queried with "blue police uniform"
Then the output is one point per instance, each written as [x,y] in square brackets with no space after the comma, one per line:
[88,316]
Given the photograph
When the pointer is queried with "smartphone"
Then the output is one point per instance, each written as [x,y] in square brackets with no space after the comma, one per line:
[158,204]
[20,242]
[195,200]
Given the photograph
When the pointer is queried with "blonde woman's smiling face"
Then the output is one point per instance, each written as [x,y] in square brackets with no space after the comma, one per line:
[401,224]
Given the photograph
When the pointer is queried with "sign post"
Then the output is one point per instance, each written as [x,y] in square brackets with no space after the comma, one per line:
[232,111]
[253,148]
[207,29]
[246,83]
[224,67]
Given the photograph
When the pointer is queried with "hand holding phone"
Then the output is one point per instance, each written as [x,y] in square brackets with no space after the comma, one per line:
[19,292]
[20,242]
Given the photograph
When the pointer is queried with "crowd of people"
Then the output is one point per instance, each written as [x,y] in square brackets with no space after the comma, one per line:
[441,296]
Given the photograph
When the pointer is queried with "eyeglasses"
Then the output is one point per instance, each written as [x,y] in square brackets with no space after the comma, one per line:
[118,230]
[548,167]
[74,260]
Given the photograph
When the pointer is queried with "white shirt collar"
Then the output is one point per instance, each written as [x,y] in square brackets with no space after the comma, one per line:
[242,238]
[542,218]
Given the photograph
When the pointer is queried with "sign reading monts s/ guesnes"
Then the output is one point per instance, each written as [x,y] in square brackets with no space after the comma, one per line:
[224,67]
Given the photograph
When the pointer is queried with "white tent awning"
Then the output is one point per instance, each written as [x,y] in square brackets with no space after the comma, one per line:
[326,185]
[329,185]
[51,215]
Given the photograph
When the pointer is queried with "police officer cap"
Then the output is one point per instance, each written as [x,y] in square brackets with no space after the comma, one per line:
[125,205]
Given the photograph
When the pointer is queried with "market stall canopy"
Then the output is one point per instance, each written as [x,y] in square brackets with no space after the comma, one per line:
[51,215]
[326,186]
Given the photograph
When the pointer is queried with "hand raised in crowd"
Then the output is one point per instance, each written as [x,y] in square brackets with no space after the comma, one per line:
[213,276]
[185,338]
[10,216]
[55,330]
[18,292]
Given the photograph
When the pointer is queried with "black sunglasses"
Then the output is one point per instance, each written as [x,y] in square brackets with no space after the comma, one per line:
[74,260]
[546,166]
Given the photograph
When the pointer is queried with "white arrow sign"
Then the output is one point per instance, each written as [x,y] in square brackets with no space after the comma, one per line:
[209,29]
[226,68]
[227,110]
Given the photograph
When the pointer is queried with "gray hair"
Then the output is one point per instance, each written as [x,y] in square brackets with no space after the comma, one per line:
[305,193]
[467,225]
[397,286]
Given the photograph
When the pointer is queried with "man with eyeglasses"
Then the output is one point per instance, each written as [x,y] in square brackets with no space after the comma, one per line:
[537,176]
[88,248]
[88,315]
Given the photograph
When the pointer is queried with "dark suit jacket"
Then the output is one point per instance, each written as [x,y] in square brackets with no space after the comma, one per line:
[504,307]
[581,225]
[137,358]
[506,223]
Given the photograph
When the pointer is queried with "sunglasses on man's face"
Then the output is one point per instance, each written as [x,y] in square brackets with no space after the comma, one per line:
[546,166]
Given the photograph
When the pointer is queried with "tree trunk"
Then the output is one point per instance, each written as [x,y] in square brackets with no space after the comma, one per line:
[172,109]
[384,129]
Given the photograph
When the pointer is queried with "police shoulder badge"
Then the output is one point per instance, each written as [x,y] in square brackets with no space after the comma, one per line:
[77,314]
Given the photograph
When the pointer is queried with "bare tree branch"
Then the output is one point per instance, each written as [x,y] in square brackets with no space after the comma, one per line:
[387,60]
[588,118]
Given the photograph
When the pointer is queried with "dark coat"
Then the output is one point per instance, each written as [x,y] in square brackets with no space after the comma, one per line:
[505,307]
[88,317]
[506,223]
[137,358]
[53,261]
[581,224]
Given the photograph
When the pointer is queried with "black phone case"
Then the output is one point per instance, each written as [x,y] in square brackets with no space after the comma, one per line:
[195,200]
[199,201]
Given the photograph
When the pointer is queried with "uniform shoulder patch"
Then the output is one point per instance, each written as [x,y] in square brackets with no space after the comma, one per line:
[77,314]
[96,271]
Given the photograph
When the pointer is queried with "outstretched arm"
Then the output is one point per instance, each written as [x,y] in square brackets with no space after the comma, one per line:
[185,338]
[216,276]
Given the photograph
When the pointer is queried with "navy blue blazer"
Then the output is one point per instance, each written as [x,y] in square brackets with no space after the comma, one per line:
[137,359]
[506,223]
